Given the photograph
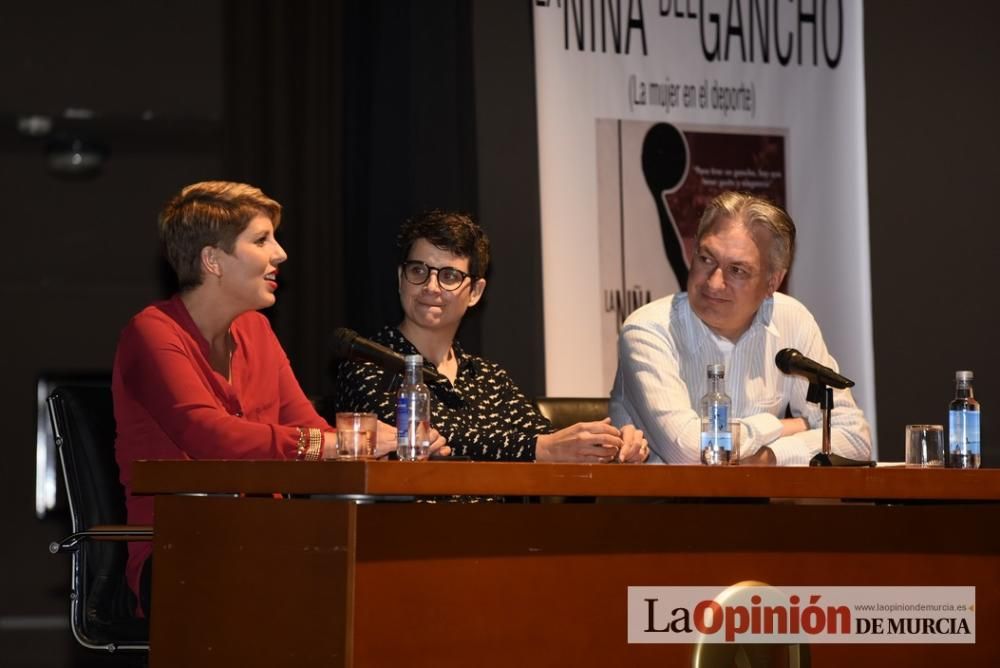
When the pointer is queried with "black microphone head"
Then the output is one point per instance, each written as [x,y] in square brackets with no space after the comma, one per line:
[340,342]
[792,362]
[784,359]
[347,344]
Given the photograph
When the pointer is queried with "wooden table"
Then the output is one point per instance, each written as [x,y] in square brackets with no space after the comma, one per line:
[322,580]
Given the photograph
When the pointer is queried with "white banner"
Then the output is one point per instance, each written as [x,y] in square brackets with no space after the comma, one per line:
[754,613]
[647,109]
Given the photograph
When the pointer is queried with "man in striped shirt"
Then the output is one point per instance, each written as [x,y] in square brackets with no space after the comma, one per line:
[731,314]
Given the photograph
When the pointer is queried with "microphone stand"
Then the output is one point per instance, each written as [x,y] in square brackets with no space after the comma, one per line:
[822,394]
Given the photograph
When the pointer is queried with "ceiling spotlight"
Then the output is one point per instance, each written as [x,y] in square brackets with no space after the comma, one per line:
[35,125]
[75,157]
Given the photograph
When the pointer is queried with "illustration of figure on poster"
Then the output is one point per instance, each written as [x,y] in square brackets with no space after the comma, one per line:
[654,180]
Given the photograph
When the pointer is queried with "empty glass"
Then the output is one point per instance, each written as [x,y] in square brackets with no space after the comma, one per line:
[924,445]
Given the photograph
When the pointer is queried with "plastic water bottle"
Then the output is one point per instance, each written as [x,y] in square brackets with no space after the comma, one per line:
[963,425]
[413,412]
[716,439]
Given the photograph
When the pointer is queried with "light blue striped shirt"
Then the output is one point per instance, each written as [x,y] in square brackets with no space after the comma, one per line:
[664,350]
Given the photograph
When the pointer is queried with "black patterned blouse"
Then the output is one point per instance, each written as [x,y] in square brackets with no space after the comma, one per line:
[483,415]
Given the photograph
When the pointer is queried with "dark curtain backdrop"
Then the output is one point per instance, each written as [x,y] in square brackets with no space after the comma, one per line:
[283,120]
[409,138]
[354,115]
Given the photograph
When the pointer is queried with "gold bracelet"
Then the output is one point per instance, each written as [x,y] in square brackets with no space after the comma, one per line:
[315,448]
[303,444]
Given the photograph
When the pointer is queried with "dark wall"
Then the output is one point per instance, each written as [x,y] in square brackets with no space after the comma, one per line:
[409,137]
[507,160]
[80,256]
[933,139]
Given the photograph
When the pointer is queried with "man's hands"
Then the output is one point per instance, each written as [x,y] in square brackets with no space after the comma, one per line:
[763,457]
[592,443]
[635,448]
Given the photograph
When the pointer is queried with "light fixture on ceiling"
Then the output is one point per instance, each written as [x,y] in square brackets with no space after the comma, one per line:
[75,157]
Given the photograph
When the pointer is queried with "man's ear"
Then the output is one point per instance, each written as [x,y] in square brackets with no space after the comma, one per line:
[210,261]
[774,281]
[476,291]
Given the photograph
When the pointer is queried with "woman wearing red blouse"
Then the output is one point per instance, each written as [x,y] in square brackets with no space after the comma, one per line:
[202,375]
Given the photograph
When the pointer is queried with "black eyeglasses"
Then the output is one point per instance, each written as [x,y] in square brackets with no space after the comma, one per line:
[418,273]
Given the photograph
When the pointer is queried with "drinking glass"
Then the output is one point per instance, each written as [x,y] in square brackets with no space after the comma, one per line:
[924,445]
[356,435]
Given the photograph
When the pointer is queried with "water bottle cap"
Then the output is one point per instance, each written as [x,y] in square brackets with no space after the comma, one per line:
[716,371]
[414,360]
[963,375]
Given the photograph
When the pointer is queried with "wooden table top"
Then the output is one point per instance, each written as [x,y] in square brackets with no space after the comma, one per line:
[390,478]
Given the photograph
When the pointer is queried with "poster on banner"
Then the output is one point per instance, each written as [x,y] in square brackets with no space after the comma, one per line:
[647,110]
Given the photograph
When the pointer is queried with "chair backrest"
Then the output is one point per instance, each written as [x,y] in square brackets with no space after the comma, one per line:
[566,411]
[83,424]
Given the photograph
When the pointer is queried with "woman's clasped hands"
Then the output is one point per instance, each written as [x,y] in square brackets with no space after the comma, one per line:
[592,443]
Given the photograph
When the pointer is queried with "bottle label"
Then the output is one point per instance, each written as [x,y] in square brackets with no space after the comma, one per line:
[715,429]
[723,440]
[718,417]
[963,432]
[402,418]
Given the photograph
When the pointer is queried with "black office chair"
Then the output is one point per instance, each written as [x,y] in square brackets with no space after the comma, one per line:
[565,411]
[101,603]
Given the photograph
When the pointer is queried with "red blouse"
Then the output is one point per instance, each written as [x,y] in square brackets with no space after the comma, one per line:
[171,404]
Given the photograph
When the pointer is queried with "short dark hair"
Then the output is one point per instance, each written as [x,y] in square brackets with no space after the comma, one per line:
[454,232]
[209,213]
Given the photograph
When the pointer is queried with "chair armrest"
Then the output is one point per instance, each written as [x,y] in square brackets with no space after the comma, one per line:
[115,532]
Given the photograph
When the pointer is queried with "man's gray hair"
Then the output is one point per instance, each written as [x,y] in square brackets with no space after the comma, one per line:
[757,214]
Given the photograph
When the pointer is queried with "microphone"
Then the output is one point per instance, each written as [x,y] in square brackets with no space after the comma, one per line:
[791,361]
[347,344]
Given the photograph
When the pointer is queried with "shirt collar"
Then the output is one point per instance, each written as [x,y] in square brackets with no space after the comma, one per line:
[177,310]
[465,360]
[763,319]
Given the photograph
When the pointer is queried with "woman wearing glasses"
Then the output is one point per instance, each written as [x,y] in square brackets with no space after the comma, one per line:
[476,406]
